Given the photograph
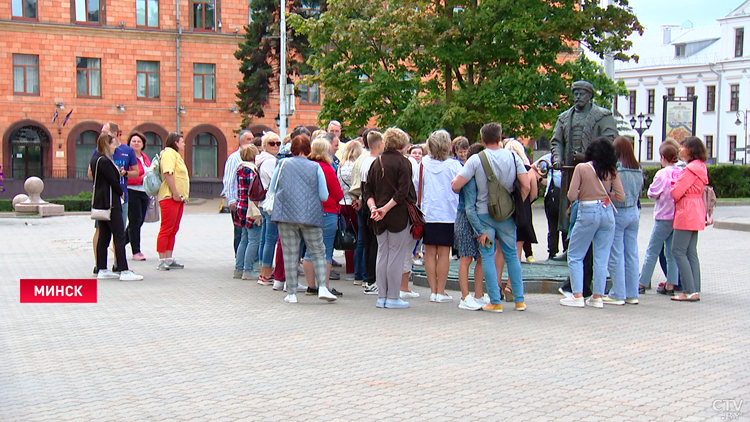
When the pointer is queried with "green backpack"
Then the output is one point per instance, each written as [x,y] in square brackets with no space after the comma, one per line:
[500,204]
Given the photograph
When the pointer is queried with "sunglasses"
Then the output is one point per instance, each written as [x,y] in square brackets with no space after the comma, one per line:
[274,144]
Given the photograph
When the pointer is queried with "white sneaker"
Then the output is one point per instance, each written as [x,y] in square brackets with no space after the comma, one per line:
[595,302]
[484,300]
[443,298]
[408,295]
[469,304]
[324,294]
[418,262]
[279,285]
[610,301]
[433,297]
[572,301]
[632,301]
[130,276]
[106,275]
[290,299]
[565,293]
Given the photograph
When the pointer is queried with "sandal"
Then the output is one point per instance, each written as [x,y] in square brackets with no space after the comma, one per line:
[692,297]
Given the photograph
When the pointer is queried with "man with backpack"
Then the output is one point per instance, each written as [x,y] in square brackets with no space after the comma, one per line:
[498,173]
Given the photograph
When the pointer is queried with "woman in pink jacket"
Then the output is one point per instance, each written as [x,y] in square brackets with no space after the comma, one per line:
[689,217]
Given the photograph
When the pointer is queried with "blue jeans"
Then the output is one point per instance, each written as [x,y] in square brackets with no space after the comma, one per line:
[359,251]
[623,257]
[247,250]
[270,233]
[505,233]
[330,224]
[661,236]
[595,222]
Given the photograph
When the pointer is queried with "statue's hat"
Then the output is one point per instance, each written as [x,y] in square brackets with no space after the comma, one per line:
[588,86]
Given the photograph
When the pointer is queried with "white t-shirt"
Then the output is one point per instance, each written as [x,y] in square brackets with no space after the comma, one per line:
[506,166]
[439,202]
[365,168]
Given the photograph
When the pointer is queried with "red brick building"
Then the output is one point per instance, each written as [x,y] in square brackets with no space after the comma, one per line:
[117,60]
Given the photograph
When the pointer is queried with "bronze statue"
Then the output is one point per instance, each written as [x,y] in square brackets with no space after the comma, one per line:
[575,129]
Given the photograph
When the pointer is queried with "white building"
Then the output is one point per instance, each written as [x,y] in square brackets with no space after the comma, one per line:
[680,61]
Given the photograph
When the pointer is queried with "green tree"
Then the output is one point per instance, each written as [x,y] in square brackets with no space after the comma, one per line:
[259,52]
[458,64]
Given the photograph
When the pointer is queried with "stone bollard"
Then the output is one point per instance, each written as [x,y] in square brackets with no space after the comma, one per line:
[33,204]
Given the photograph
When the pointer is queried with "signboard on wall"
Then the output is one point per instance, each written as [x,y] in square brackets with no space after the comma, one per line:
[679,117]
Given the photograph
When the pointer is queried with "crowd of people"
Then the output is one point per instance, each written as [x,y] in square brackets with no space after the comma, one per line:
[291,200]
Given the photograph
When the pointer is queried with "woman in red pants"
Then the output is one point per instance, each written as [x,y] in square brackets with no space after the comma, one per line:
[173,194]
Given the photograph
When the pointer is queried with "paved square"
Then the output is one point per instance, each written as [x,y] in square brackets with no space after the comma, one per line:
[196,344]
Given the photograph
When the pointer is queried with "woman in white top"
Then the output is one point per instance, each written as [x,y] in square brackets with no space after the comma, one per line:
[352,151]
[439,204]
[265,162]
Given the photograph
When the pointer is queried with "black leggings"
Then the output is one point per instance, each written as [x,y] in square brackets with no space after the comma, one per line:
[137,207]
[108,230]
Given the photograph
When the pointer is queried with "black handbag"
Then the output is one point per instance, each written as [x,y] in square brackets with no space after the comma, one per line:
[346,237]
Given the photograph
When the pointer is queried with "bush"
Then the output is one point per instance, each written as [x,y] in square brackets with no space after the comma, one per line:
[728,180]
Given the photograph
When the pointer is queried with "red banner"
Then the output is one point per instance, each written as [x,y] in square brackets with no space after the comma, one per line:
[58,291]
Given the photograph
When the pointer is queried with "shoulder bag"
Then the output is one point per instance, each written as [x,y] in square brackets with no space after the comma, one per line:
[100,214]
[346,236]
[500,204]
[271,195]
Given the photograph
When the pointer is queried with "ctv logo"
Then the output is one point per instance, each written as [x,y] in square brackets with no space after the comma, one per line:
[729,409]
[58,291]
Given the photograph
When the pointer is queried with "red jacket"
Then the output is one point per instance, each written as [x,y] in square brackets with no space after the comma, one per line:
[689,210]
[335,194]
[137,181]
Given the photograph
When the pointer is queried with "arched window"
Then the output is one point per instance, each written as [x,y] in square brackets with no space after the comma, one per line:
[27,151]
[205,155]
[154,141]
[85,147]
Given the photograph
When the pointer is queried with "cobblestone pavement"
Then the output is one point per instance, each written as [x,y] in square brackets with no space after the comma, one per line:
[198,345]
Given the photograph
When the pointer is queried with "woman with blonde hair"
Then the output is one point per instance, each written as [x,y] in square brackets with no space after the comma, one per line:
[439,204]
[108,194]
[319,153]
[525,234]
[352,151]
[387,190]
[265,162]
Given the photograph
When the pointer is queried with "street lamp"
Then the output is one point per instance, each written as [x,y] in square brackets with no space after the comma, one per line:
[744,143]
[640,129]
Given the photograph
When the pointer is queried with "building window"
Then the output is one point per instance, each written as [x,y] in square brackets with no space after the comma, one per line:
[651,101]
[24,9]
[147,13]
[739,41]
[309,8]
[204,81]
[679,50]
[670,93]
[649,148]
[711,98]
[85,147]
[632,103]
[89,77]
[147,79]
[205,155]
[88,11]
[204,15]
[710,145]
[309,94]
[153,139]
[734,97]
[26,74]
[690,92]
[732,147]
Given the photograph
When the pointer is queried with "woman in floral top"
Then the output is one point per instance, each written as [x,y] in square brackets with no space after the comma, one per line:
[247,251]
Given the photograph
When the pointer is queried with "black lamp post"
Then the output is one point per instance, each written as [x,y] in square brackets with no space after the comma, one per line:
[640,129]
